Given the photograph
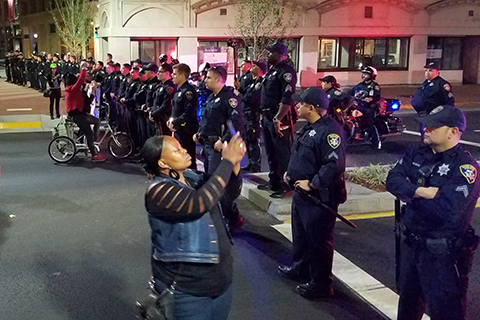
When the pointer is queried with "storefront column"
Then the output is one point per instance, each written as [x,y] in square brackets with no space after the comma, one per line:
[120,49]
[418,58]
[307,66]
[187,49]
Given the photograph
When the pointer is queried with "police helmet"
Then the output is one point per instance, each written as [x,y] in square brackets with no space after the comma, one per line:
[204,67]
[163,58]
[370,70]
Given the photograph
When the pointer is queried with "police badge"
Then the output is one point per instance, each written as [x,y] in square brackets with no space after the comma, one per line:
[469,172]
[334,140]
[189,95]
[233,102]
[287,76]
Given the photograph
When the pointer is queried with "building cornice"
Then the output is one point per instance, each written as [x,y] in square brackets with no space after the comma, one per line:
[330,5]
[434,7]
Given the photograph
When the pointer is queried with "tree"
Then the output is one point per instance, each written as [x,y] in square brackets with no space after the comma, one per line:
[259,23]
[72,20]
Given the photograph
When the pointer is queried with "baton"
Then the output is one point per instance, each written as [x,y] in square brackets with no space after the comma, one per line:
[323,205]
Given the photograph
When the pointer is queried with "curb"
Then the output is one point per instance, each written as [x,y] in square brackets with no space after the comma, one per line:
[27,123]
[360,200]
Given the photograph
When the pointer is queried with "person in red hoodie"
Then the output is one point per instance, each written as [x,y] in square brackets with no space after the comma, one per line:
[75,103]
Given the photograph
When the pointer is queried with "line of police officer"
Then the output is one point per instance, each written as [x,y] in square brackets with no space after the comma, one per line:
[37,68]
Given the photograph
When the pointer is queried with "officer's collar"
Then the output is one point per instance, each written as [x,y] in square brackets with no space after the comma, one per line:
[445,154]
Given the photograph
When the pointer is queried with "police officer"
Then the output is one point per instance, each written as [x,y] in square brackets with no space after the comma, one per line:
[221,106]
[251,109]
[246,79]
[277,122]
[367,95]
[162,101]
[8,70]
[338,100]
[316,172]
[438,182]
[184,120]
[435,91]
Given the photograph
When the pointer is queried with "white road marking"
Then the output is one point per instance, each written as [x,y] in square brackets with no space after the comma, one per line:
[370,289]
[475,144]
[476,130]
[19,109]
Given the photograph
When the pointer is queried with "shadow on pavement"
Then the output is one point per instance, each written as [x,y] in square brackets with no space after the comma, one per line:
[4,225]
[83,290]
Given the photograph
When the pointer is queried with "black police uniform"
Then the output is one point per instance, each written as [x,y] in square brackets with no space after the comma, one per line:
[213,126]
[162,105]
[337,101]
[184,118]
[251,109]
[431,94]
[319,157]
[217,111]
[278,86]
[368,90]
[245,81]
[8,70]
[436,244]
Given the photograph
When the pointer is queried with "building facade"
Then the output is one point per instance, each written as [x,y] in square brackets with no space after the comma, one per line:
[334,37]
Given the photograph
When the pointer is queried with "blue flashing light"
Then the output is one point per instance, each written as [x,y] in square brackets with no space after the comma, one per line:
[395,106]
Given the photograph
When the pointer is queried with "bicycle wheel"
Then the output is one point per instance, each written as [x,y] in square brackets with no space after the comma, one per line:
[62,149]
[120,145]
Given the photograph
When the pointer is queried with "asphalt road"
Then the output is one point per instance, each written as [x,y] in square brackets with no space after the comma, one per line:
[74,244]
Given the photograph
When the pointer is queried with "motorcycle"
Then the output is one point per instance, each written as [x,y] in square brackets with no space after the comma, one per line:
[386,123]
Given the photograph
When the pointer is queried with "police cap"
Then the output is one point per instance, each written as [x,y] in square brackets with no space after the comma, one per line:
[329,79]
[432,65]
[219,70]
[262,65]
[279,48]
[444,116]
[151,67]
[314,96]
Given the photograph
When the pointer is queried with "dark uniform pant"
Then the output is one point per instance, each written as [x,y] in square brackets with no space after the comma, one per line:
[312,230]
[252,140]
[185,137]
[278,152]
[369,124]
[211,163]
[429,275]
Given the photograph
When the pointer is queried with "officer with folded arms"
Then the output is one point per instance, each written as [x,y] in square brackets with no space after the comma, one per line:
[316,173]
[438,182]
[433,92]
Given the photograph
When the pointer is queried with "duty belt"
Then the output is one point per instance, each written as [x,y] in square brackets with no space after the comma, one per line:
[209,140]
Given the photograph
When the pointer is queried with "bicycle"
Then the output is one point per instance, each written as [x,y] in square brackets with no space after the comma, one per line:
[68,141]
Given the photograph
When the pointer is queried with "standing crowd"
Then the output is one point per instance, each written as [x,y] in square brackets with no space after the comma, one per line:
[192,215]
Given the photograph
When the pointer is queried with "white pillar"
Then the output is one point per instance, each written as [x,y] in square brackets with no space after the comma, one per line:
[119,47]
[308,59]
[187,51]
[418,58]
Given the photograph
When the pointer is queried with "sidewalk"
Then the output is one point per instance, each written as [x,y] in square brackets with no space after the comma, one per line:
[360,199]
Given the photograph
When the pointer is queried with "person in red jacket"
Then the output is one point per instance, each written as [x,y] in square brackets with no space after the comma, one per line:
[75,103]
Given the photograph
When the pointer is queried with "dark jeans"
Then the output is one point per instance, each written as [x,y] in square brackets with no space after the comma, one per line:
[84,121]
[278,152]
[189,307]
[43,82]
[312,231]
[428,276]
[55,95]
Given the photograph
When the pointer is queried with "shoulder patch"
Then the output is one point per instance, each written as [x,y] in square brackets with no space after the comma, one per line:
[169,90]
[337,93]
[233,102]
[469,172]
[189,95]
[446,86]
[287,76]
[334,140]
[377,87]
